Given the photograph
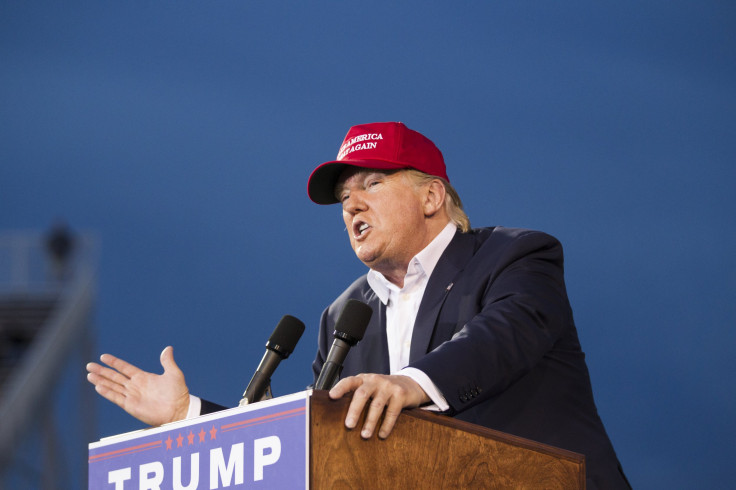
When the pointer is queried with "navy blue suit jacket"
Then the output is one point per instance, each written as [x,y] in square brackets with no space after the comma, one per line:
[495,333]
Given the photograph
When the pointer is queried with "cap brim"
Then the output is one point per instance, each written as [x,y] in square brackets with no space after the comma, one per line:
[321,185]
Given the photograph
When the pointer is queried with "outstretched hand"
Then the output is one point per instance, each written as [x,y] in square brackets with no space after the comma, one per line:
[380,391]
[154,399]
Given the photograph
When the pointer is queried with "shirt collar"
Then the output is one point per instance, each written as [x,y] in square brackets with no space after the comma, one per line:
[422,263]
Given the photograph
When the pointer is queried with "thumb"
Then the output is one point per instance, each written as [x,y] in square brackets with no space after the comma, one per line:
[167,360]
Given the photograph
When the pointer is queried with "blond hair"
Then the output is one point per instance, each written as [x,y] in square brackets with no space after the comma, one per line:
[453,204]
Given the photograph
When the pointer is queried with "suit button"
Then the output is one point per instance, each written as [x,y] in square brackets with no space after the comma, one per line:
[463,398]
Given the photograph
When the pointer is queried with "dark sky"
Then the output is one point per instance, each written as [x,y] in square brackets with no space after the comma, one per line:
[182,134]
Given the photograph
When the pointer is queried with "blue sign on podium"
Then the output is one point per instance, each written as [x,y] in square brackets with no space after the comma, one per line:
[263,445]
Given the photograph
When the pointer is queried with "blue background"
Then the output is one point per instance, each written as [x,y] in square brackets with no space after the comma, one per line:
[183,133]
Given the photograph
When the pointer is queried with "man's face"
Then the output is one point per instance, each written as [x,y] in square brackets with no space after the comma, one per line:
[384,217]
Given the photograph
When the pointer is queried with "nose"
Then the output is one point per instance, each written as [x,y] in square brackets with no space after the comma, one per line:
[354,203]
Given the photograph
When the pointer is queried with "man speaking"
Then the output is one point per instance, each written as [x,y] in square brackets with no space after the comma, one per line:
[473,323]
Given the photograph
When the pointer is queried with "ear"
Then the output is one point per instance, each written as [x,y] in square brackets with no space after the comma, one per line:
[434,198]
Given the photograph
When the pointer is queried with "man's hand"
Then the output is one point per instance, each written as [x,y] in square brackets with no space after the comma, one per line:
[393,393]
[151,398]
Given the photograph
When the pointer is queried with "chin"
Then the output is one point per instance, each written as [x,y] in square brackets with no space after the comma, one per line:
[368,260]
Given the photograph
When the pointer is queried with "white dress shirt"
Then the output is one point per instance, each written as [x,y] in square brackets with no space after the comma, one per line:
[402,306]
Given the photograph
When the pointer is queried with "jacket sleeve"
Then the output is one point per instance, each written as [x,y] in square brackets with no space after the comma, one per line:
[209,407]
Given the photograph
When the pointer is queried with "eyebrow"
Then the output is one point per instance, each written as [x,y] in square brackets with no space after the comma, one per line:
[340,186]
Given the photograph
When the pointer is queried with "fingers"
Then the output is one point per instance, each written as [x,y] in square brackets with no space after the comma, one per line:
[108,390]
[118,364]
[108,382]
[391,415]
[385,396]
[381,392]
[345,386]
[373,415]
[105,373]
[114,382]
[357,404]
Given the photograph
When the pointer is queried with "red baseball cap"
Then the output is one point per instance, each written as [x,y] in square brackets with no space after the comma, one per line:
[385,146]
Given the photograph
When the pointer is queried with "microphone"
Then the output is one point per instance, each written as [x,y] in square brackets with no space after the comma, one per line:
[349,330]
[279,346]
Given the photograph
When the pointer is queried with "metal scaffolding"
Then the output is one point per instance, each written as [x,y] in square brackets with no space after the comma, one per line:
[47,416]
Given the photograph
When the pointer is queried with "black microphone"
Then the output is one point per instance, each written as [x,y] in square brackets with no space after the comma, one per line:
[279,346]
[349,330]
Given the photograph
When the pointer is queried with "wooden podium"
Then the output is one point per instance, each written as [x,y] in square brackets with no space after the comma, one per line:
[427,450]
[300,441]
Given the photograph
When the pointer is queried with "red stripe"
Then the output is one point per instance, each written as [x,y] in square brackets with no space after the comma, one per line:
[125,451]
[265,418]
[259,422]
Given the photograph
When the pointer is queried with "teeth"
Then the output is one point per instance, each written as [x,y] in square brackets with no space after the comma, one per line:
[362,228]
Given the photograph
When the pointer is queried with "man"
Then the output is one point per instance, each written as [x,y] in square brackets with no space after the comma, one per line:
[474,323]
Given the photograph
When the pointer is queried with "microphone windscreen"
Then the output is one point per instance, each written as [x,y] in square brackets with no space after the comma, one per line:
[285,336]
[354,319]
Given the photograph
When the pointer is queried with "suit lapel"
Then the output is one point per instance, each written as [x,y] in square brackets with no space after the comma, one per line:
[371,353]
[453,260]
[375,355]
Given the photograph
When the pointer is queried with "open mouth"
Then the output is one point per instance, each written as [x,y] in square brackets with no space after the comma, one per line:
[360,228]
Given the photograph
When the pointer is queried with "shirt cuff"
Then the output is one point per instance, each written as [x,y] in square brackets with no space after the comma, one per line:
[195,407]
[438,400]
